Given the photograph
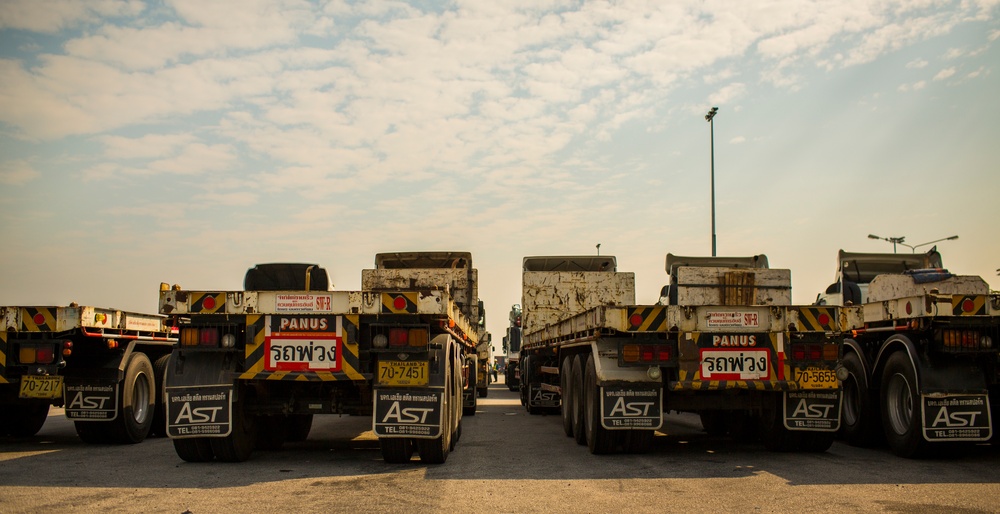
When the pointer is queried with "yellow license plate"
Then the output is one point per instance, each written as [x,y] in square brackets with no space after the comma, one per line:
[815,378]
[402,373]
[38,386]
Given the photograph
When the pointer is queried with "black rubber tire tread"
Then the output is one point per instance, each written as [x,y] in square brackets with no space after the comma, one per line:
[396,450]
[94,432]
[435,451]
[773,433]
[638,441]
[579,424]
[483,392]
[714,422]
[899,373]
[815,442]
[272,432]
[197,449]
[24,419]
[470,410]
[528,377]
[298,426]
[159,427]
[240,443]
[566,403]
[139,377]
[860,417]
[600,440]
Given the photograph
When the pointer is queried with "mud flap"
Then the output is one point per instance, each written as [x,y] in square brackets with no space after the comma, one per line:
[956,417]
[91,401]
[631,406]
[199,411]
[538,397]
[814,411]
[413,413]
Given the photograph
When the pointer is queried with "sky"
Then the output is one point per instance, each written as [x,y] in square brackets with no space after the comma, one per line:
[183,141]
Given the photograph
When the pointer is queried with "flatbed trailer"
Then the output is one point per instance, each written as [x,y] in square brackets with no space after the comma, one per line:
[733,351]
[103,365]
[254,366]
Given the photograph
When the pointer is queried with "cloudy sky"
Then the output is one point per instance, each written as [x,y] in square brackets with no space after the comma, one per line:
[183,140]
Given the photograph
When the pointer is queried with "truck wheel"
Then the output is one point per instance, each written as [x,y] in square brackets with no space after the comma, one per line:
[470,410]
[714,422]
[159,427]
[858,418]
[901,407]
[297,426]
[435,451]
[240,443]
[24,419]
[815,442]
[396,450]
[565,383]
[136,401]
[638,441]
[576,388]
[483,392]
[93,432]
[599,439]
[773,433]
[272,432]
[198,449]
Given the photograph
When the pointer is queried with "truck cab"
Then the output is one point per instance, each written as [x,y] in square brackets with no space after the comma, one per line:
[855,272]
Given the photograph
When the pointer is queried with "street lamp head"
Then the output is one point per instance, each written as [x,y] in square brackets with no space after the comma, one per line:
[711,113]
[952,238]
[873,236]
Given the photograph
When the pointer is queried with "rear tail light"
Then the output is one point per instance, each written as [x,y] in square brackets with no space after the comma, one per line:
[43,354]
[966,339]
[645,353]
[46,355]
[398,337]
[412,337]
[207,336]
[189,337]
[27,356]
[815,352]
[418,338]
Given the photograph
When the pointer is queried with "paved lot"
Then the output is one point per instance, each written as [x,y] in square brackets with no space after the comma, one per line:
[507,461]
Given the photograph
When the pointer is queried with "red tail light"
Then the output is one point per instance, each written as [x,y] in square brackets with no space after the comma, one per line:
[399,337]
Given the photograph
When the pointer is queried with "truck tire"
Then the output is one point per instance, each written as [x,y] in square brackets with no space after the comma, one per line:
[435,451]
[396,450]
[272,432]
[773,433]
[198,449]
[528,376]
[94,432]
[815,442]
[638,441]
[136,401]
[901,407]
[240,443]
[859,417]
[483,392]
[470,410]
[599,439]
[566,385]
[714,422]
[298,426]
[24,419]
[159,427]
[576,387]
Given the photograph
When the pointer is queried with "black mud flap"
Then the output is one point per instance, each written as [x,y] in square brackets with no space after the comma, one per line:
[199,411]
[956,417]
[631,406]
[415,413]
[814,411]
[538,397]
[91,401]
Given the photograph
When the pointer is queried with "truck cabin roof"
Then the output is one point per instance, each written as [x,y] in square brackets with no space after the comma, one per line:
[423,260]
[861,268]
[754,261]
[571,263]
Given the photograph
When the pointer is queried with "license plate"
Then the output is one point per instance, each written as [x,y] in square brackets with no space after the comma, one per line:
[402,373]
[38,386]
[815,378]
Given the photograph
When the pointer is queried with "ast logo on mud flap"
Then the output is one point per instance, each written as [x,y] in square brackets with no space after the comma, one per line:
[202,411]
[632,406]
[957,418]
[97,402]
[816,411]
[541,398]
[407,413]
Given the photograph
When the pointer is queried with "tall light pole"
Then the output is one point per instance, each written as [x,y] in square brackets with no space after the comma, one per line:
[913,248]
[709,118]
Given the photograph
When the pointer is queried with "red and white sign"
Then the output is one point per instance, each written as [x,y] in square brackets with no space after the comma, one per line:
[735,364]
[737,319]
[303,303]
[317,352]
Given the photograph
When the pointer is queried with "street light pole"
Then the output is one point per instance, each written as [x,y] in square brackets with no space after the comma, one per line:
[914,247]
[900,239]
[709,118]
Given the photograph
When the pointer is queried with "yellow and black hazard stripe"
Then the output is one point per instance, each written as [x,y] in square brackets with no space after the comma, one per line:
[255,357]
[968,305]
[817,319]
[3,358]
[646,319]
[38,319]
[719,385]
[207,303]
[399,303]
